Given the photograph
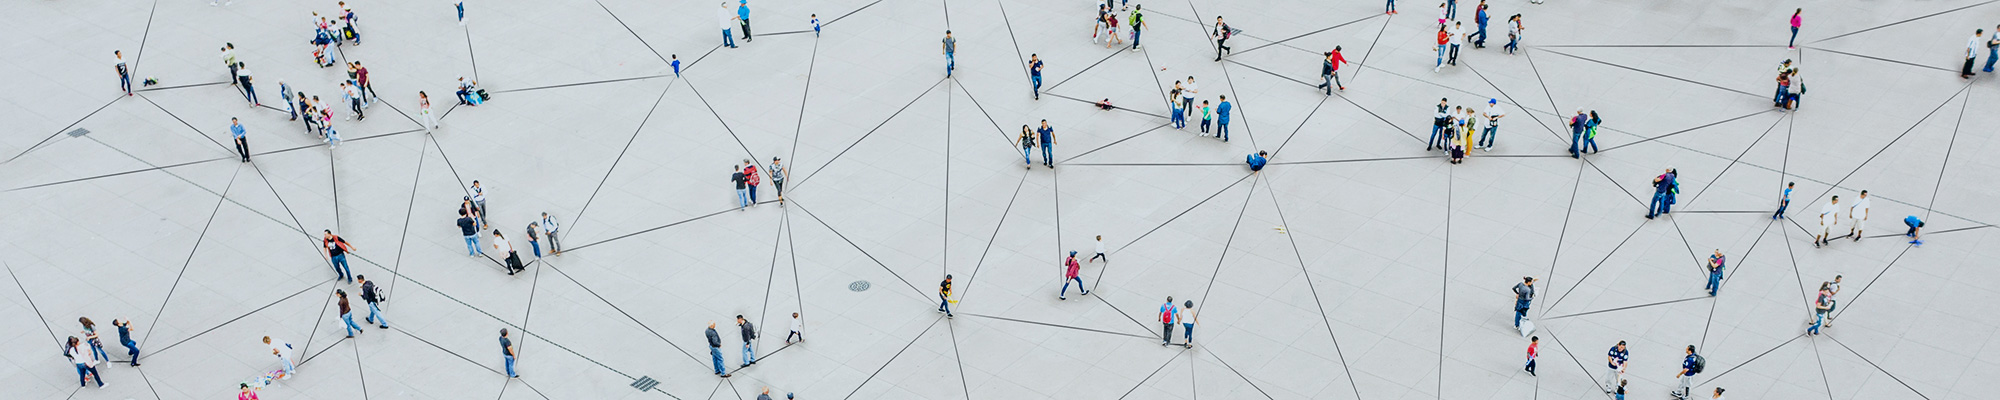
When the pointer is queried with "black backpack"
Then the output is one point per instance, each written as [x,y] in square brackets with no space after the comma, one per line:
[1699,364]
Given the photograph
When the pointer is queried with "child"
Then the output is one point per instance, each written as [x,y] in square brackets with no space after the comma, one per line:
[1205,117]
[1784,202]
[1104,104]
[1619,394]
[1100,250]
[1533,342]
[797,325]
[1179,116]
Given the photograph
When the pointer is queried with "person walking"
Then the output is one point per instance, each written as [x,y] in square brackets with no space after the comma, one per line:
[1971,52]
[1715,264]
[508,353]
[1188,319]
[1691,365]
[366,87]
[1796,20]
[743,18]
[242,144]
[229,60]
[742,185]
[336,254]
[950,48]
[1992,49]
[243,77]
[1457,40]
[424,107]
[798,329]
[505,248]
[353,97]
[1035,73]
[470,229]
[461,12]
[715,349]
[1097,29]
[1443,40]
[1514,29]
[944,296]
[132,348]
[534,239]
[1832,303]
[751,179]
[1169,315]
[1590,134]
[749,337]
[1493,113]
[1070,265]
[1822,303]
[1187,96]
[479,200]
[291,105]
[1829,215]
[1662,185]
[1796,89]
[1785,201]
[346,313]
[283,351]
[549,230]
[86,365]
[1524,296]
[815,22]
[1327,70]
[1027,142]
[1137,22]
[124,75]
[1916,225]
[1614,372]
[1177,116]
[1100,250]
[1576,127]
[1534,342]
[90,337]
[1859,214]
[1048,141]
[728,22]
[1222,118]
[373,296]
[676,63]
[1479,17]
[1221,33]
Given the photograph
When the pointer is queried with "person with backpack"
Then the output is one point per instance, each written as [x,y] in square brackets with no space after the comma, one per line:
[373,295]
[1169,315]
[1070,265]
[1662,185]
[1221,33]
[534,239]
[336,253]
[1690,366]
[1137,22]
[1493,113]
[749,337]
[751,179]
[507,351]
[777,174]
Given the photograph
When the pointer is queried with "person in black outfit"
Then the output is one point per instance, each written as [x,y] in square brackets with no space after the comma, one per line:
[372,296]
[749,334]
[469,228]
[715,349]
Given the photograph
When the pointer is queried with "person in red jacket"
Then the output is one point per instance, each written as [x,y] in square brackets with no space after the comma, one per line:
[750,178]
[1072,267]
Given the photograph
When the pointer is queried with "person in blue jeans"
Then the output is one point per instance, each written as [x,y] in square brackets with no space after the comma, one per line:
[1222,118]
[1480,18]
[1524,296]
[749,336]
[1439,121]
[336,252]
[715,349]
[726,17]
[507,351]
[1783,202]
[1916,227]
[125,338]
[1576,127]
[1035,74]
[1715,264]
[1590,134]
[742,187]
[1257,160]
[1027,147]
[346,313]
[1048,144]
[1661,186]
[1992,48]
[950,48]
[469,228]
[372,295]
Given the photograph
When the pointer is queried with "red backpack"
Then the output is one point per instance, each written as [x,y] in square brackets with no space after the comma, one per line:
[1167,314]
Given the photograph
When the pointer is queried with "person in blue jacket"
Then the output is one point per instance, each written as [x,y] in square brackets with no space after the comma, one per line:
[1257,160]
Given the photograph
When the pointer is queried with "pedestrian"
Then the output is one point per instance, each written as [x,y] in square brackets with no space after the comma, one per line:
[749,335]
[1829,216]
[1048,141]
[715,349]
[1614,373]
[728,21]
[1187,96]
[1187,324]
[245,392]
[742,185]
[743,17]
[1576,126]
[798,327]
[1916,225]
[1257,160]
[86,365]
[283,351]
[1111,28]
[1493,113]
[1097,28]
[361,77]
[1796,20]
[502,246]
[1715,264]
[1663,185]
[1035,74]
[124,75]
[534,239]
[507,352]
[1137,22]
[1457,40]
[336,254]
[1027,142]
[1971,52]
[1332,70]
[1479,17]
[1070,265]
[346,313]
[1206,117]
[373,296]
[1524,295]
[1169,315]
[751,179]
[1221,33]
[1992,49]
[815,22]
[549,230]
[944,296]
[470,230]
[1440,121]
[1443,40]
[676,63]
[1514,29]
[353,97]
[1222,118]
[1178,116]
[1534,342]
[461,12]
[90,337]
[1691,365]
[285,93]
[242,145]
[1784,201]
[1590,134]
[1619,394]
[1444,12]
[243,77]
[1391,8]
[1795,90]
[229,60]
[479,199]
[1832,303]
[132,348]
[424,107]
[1859,214]
[950,48]
[1100,250]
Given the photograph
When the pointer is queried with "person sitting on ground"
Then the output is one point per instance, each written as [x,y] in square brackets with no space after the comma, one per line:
[468,92]
[1104,104]
[1257,160]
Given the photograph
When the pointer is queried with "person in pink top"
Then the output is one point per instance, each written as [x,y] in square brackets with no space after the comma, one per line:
[1796,20]
[247,393]
[1070,276]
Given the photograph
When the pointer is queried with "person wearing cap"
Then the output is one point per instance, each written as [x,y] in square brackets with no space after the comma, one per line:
[944,296]
[1493,113]
[1073,266]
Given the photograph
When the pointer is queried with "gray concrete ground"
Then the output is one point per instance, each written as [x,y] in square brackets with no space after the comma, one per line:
[1357,266]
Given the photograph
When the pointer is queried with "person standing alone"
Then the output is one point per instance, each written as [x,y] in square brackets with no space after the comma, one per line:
[1070,265]
[944,296]
[507,352]
[124,75]
[1796,20]
[242,144]
[1222,118]
[950,48]
[1221,33]
[1691,365]
[1524,296]
[1533,343]
[1035,73]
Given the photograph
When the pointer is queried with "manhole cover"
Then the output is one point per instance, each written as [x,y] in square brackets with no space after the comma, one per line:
[858,286]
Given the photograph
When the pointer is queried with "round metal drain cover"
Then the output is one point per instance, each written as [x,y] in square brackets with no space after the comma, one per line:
[858,286]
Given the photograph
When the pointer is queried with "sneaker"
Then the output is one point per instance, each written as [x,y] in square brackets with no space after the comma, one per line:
[1062,298]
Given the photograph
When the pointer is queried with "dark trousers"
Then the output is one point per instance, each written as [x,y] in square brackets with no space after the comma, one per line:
[1167,333]
[1222,46]
[1481,33]
[354,103]
[746,29]
[944,304]
[250,93]
[1531,366]
[1520,311]
[1781,209]
[243,148]
[1100,255]
[1454,55]
[1968,66]
[132,350]
[753,194]
[125,81]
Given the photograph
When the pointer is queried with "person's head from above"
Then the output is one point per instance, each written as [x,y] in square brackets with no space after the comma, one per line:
[1621,345]
[1261,153]
[1864,194]
[739,319]
[1528,280]
[267,340]
[1072,253]
[1492,101]
[1836,279]
[503,332]
[1836,199]
[1045,123]
[1690,349]
[1170,300]
[947,277]
[1188,304]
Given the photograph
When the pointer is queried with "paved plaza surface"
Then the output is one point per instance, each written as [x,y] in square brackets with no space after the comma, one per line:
[1356,266]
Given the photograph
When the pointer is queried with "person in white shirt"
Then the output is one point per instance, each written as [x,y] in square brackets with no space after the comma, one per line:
[1972,52]
[797,327]
[1859,213]
[501,246]
[1457,39]
[727,17]
[549,230]
[1493,113]
[124,76]
[284,352]
[1187,95]
[1828,217]
[1833,289]
[1100,250]
[479,199]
